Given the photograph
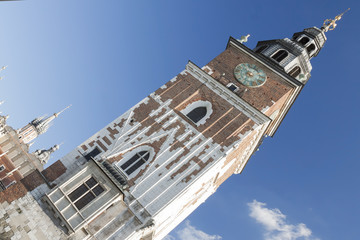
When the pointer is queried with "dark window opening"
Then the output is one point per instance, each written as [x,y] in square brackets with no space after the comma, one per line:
[85,193]
[310,48]
[197,114]
[260,49]
[84,200]
[232,87]
[295,72]
[304,40]
[78,192]
[2,168]
[135,162]
[280,55]
[2,186]
[92,154]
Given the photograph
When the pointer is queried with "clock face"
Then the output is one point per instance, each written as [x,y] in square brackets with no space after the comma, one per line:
[250,75]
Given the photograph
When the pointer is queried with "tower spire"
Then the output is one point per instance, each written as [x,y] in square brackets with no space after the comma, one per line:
[37,127]
[43,125]
[57,114]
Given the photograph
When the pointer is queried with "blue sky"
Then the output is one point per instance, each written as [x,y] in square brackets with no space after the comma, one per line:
[105,56]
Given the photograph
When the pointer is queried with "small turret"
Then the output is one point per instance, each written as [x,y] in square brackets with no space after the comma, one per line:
[37,127]
[294,54]
[44,155]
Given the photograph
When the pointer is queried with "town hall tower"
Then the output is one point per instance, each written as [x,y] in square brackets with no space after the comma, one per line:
[145,172]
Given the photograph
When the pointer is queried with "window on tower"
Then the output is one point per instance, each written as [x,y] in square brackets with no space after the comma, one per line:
[310,48]
[232,87]
[2,186]
[199,111]
[295,72]
[280,55]
[304,40]
[135,162]
[197,114]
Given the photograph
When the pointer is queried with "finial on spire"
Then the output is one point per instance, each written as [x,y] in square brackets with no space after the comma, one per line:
[330,24]
[3,68]
[57,114]
[244,39]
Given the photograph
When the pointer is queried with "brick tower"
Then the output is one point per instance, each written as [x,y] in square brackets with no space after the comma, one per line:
[146,171]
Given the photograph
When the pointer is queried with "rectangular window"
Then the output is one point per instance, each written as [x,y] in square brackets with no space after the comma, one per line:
[232,87]
[2,168]
[85,193]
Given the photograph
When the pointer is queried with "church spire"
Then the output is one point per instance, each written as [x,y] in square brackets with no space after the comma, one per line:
[37,127]
[42,125]
[294,55]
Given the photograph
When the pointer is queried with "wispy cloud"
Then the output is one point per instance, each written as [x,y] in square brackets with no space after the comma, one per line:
[189,232]
[276,227]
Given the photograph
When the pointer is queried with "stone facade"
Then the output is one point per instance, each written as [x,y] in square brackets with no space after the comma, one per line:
[15,158]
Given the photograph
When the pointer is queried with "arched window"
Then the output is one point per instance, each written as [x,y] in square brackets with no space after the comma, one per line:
[304,40]
[135,162]
[197,114]
[260,49]
[310,48]
[280,55]
[295,72]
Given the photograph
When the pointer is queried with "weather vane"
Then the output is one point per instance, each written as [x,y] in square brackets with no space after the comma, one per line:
[330,24]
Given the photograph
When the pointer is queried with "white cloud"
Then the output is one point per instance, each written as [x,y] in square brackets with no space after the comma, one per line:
[169,237]
[189,232]
[275,225]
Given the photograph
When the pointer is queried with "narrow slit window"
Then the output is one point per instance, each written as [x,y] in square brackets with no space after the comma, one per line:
[295,72]
[85,193]
[280,55]
[2,186]
[197,114]
[135,162]
[2,168]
